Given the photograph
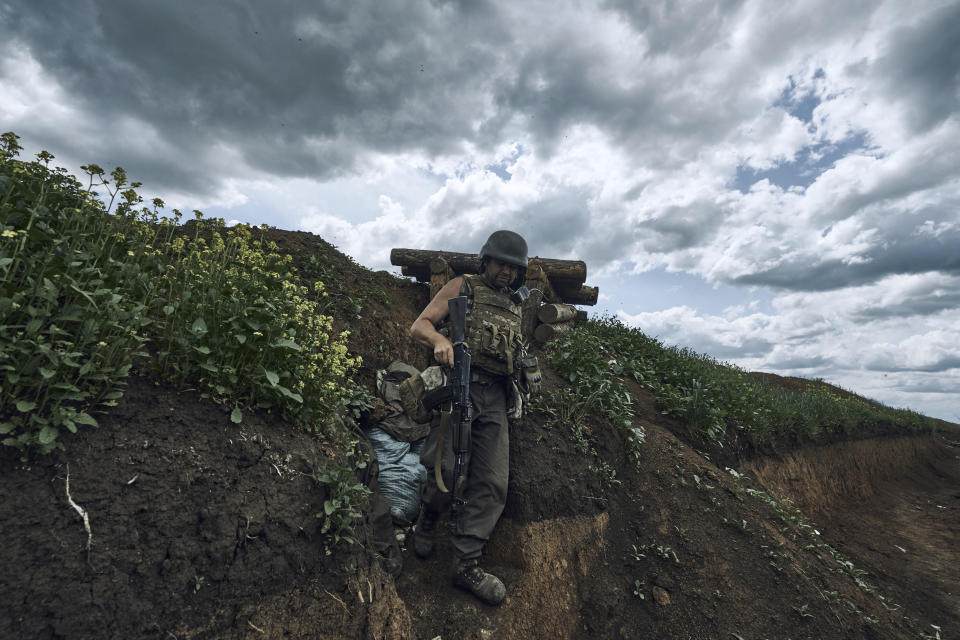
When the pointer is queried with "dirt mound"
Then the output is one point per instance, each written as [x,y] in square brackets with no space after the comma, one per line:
[203,529]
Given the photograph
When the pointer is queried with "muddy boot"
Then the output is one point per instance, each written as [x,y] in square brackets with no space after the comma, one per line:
[425,533]
[486,586]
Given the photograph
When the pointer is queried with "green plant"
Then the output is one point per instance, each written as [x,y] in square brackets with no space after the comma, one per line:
[606,473]
[342,506]
[720,402]
[665,552]
[230,315]
[86,287]
[356,399]
[71,320]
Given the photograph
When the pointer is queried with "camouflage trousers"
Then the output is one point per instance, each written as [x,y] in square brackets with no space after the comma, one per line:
[487,467]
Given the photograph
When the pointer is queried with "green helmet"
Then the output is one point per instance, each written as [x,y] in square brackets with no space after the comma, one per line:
[509,247]
[505,246]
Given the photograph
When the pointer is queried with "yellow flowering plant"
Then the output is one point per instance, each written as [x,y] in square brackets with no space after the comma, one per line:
[232,316]
[88,284]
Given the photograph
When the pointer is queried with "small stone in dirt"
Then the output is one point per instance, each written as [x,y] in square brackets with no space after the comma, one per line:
[661,597]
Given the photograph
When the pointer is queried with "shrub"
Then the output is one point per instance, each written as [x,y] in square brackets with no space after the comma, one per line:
[70,323]
[85,289]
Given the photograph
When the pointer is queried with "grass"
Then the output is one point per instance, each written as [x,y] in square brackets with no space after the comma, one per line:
[721,404]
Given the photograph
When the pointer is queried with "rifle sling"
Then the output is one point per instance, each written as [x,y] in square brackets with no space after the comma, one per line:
[438,454]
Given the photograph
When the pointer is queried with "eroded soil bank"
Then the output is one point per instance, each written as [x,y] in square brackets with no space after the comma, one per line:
[892,503]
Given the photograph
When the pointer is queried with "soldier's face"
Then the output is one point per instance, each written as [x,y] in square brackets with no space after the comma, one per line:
[500,273]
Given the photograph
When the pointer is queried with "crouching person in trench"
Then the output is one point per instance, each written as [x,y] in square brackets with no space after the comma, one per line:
[493,333]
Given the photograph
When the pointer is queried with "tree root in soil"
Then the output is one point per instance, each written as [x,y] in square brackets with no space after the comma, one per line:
[83,514]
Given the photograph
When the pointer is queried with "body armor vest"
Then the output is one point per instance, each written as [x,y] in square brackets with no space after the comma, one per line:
[493,326]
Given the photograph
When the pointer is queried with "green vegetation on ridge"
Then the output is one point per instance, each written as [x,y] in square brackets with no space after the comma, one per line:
[721,403]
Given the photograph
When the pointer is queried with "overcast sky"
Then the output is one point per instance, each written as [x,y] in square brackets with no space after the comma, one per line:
[773,184]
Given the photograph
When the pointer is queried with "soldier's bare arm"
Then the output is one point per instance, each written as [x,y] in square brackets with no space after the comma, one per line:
[424,328]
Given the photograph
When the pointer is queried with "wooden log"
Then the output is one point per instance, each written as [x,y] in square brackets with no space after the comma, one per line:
[413,272]
[562,280]
[528,319]
[582,295]
[573,272]
[546,332]
[440,274]
[416,263]
[554,313]
[537,281]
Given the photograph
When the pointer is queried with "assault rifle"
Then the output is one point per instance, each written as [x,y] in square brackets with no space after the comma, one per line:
[460,387]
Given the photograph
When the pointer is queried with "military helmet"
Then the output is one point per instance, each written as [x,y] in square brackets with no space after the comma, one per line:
[509,247]
[505,246]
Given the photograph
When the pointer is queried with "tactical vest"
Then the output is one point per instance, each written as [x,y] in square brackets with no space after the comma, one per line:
[493,326]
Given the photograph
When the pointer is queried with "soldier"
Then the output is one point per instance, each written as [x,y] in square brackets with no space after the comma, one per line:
[494,335]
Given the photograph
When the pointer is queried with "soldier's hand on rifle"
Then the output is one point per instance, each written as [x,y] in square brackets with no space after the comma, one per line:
[424,328]
[443,351]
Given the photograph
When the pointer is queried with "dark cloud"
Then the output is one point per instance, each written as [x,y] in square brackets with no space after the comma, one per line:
[561,83]
[794,361]
[944,363]
[746,347]
[903,255]
[682,227]
[928,303]
[922,66]
[678,27]
[558,222]
[565,80]
[552,225]
[934,385]
[273,81]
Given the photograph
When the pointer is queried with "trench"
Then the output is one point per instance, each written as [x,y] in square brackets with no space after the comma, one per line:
[890,504]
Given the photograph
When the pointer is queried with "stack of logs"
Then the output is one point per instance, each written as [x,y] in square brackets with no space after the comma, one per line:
[555,320]
[555,285]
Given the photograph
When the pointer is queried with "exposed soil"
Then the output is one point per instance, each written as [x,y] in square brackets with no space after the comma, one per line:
[203,529]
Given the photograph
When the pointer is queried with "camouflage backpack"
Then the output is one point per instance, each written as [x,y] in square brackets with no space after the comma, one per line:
[404,425]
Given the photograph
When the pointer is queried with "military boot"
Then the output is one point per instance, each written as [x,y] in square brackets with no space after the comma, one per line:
[486,586]
[425,533]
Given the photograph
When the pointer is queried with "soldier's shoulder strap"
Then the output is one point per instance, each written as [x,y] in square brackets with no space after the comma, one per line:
[468,284]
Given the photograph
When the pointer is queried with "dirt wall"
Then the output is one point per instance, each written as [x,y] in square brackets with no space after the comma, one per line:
[820,478]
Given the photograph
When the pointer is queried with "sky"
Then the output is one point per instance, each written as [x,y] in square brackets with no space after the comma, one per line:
[772,184]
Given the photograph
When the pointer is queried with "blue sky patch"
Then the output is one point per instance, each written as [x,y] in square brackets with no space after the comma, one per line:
[809,164]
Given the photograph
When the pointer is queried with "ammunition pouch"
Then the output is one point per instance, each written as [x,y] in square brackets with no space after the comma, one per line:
[530,377]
